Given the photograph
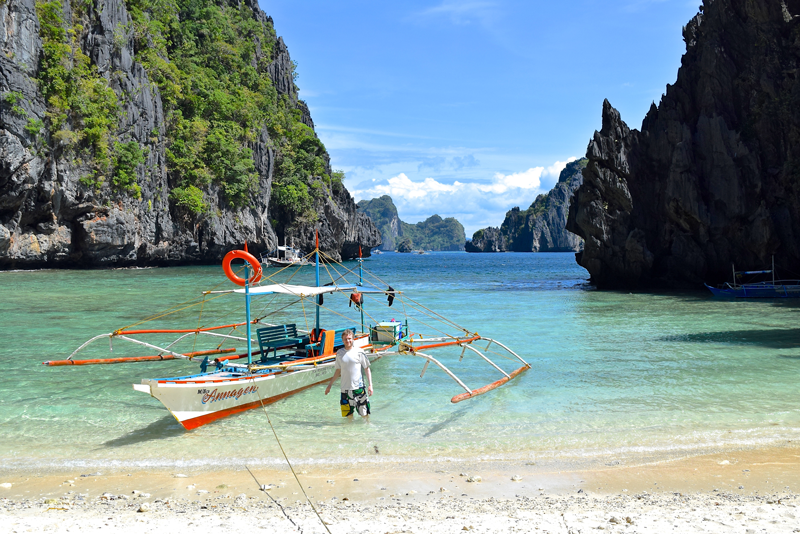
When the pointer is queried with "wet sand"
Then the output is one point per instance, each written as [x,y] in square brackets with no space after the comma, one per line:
[746,491]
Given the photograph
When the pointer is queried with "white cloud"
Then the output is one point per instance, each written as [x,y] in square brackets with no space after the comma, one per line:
[519,180]
[461,13]
[401,186]
[556,168]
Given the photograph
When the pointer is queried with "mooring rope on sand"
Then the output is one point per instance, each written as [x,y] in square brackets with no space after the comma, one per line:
[291,468]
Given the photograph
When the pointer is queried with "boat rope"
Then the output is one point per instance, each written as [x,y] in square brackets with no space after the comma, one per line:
[275,501]
[199,325]
[286,457]
[169,311]
[440,317]
[416,306]
[433,313]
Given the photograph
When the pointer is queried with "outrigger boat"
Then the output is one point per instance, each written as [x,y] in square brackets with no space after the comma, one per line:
[289,359]
[764,289]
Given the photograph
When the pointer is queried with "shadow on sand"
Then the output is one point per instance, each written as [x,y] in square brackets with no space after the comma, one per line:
[164,428]
[452,418]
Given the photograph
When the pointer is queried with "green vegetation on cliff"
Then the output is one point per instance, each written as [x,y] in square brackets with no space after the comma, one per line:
[211,63]
[433,233]
[82,109]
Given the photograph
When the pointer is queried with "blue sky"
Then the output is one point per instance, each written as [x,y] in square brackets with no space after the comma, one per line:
[467,109]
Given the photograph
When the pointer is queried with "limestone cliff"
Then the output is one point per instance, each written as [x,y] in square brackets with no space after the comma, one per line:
[133,165]
[540,228]
[713,176]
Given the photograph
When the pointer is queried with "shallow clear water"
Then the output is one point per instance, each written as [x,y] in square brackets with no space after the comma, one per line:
[614,375]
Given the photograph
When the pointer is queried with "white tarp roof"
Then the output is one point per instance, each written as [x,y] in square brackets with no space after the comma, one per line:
[298,291]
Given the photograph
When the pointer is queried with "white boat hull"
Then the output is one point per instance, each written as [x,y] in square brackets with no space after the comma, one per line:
[199,400]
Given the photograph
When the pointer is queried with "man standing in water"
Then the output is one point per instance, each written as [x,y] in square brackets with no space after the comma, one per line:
[349,362]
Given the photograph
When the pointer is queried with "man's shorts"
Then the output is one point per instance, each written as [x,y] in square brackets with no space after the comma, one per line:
[355,400]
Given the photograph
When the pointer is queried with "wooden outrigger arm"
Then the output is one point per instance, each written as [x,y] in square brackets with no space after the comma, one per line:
[407,348]
[164,353]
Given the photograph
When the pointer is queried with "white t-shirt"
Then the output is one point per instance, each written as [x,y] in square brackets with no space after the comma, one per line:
[350,363]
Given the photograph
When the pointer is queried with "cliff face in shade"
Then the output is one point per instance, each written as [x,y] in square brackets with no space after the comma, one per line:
[50,217]
[713,176]
[540,228]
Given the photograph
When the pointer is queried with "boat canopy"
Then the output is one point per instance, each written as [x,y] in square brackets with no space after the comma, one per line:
[298,291]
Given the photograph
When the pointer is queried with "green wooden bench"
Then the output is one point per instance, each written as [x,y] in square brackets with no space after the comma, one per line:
[337,340]
[283,336]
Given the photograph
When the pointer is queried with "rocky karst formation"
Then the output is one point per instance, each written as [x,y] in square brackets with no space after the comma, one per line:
[50,216]
[434,233]
[540,228]
[713,176]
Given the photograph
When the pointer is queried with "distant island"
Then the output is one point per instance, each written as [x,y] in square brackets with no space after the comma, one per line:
[540,228]
[434,233]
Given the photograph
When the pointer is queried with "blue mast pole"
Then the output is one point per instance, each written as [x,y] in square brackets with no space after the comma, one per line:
[361,283]
[247,314]
[316,330]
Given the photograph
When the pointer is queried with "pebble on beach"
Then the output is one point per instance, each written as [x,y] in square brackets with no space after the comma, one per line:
[6,485]
[644,512]
[474,478]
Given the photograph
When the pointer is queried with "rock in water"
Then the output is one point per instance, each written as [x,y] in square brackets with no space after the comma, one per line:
[489,239]
[712,177]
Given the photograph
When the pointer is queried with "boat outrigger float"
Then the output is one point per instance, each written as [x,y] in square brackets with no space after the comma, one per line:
[289,358]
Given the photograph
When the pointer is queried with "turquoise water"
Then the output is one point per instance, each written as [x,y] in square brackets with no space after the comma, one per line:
[615,376]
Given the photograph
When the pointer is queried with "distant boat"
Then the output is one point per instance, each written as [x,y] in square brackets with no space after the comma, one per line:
[765,289]
[285,256]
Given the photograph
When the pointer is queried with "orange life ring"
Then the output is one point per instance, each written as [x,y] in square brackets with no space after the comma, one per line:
[242,255]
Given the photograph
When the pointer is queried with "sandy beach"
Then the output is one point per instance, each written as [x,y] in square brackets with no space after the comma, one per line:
[746,491]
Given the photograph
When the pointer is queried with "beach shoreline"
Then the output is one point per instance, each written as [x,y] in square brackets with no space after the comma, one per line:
[758,485]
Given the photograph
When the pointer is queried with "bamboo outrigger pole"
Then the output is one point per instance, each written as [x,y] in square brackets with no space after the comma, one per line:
[132,359]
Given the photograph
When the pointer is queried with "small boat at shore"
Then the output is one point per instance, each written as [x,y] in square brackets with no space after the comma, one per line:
[754,289]
[289,358]
[286,256]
